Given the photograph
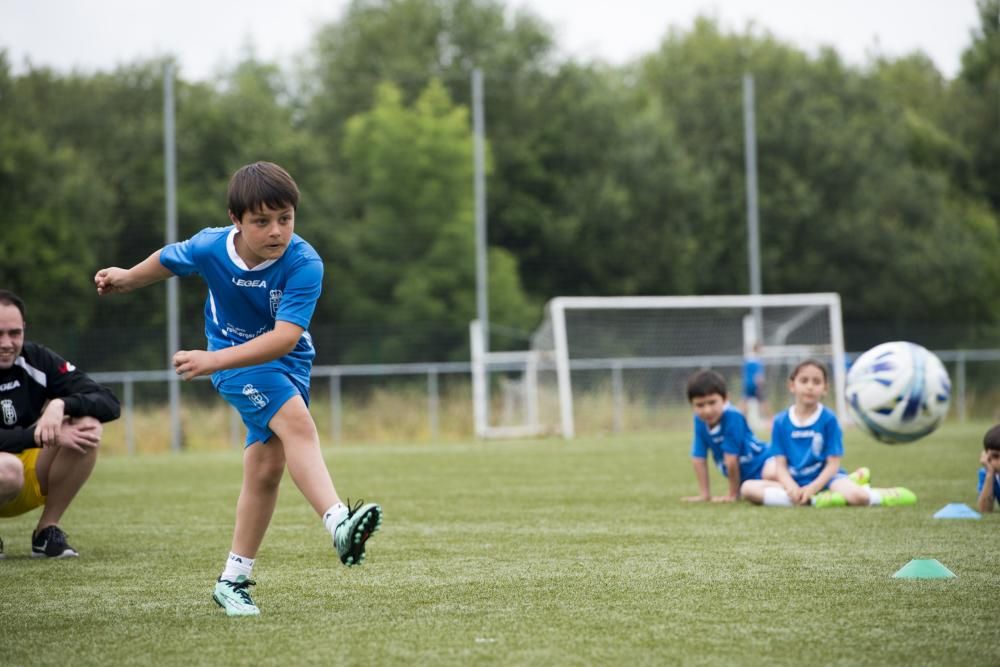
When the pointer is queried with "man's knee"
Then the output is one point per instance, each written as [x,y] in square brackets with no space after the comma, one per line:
[11,476]
[91,423]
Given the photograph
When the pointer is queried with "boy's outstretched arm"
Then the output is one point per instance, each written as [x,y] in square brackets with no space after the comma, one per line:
[115,280]
[267,347]
[701,472]
[733,475]
[986,498]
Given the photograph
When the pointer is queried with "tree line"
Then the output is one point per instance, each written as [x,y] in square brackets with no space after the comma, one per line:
[880,182]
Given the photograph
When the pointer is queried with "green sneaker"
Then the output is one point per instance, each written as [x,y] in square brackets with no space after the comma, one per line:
[234,596]
[350,535]
[861,476]
[897,496]
[829,499]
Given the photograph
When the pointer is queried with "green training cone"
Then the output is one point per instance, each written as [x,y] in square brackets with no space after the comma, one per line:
[924,569]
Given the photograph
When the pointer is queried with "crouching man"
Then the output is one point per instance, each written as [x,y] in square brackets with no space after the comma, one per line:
[51,419]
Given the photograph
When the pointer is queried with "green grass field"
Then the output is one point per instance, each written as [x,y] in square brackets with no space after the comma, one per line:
[539,553]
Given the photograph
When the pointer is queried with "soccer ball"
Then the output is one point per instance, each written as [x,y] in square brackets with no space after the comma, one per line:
[898,392]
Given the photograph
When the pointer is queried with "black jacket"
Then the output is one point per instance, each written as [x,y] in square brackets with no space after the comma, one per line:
[37,376]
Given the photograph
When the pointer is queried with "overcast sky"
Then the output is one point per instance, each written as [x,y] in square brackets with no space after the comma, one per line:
[205,35]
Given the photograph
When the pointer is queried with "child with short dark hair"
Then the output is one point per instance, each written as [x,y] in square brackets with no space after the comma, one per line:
[989,494]
[722,430]
[264,281]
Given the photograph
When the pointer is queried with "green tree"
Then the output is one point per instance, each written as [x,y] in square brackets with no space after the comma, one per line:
[855,178]
[408,256]
[979,100]
[54,203]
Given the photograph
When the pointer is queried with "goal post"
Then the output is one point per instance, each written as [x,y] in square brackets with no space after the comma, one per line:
[582,336]
[514,377]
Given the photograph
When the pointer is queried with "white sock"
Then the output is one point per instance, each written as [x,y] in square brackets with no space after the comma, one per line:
[874,497]
[776,497]
[237,565]
[333,516]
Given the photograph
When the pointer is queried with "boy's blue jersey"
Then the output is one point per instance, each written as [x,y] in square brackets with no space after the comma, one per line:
[244,303]
[996,485]
[807,445]
[732,435]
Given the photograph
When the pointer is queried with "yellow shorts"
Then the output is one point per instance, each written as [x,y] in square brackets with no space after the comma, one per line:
[30,496]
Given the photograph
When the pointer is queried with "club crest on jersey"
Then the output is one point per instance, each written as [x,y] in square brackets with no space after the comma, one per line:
[242,282]
[255,395]
[817,444]
[9,413]
[275,295]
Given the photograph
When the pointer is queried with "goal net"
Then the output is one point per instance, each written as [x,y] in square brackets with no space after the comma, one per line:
[610,364]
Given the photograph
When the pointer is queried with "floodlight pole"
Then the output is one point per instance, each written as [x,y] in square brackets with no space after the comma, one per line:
[478,131]
[479,178]
[173,319]
[753,221]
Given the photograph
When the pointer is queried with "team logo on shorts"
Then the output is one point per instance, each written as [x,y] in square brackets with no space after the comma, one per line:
[9,413]
[255,396]
[275,295]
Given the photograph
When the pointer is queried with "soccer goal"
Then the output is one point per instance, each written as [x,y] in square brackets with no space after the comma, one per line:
[505,390]
[609,362]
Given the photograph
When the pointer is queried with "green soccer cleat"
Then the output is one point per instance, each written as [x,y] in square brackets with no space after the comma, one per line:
[829,499]
[350,535]
[234,596]
[897,496]
[861,476]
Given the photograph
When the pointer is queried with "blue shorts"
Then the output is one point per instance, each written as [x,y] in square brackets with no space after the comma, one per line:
[754,469]
[257,395]
[840,474]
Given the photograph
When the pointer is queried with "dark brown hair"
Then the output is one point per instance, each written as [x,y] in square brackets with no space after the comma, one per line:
[259,184]
[8,298]
[992,438]
[705,383]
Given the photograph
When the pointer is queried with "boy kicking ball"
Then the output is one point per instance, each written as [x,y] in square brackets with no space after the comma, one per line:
[263,284]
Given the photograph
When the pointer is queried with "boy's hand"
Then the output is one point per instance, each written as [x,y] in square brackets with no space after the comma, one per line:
[112,280]
[984,460]
[192,363]
[695,499]
[724,499]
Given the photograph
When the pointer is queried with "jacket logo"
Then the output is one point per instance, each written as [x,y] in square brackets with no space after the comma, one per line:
[240,282]
[7,386]
[9,413]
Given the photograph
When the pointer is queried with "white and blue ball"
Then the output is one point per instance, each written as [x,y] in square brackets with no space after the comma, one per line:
[898,392]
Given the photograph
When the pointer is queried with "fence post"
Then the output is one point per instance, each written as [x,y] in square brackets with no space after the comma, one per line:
[336,425]
[432,401]
[618,398]
[960,385]
[129,391]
